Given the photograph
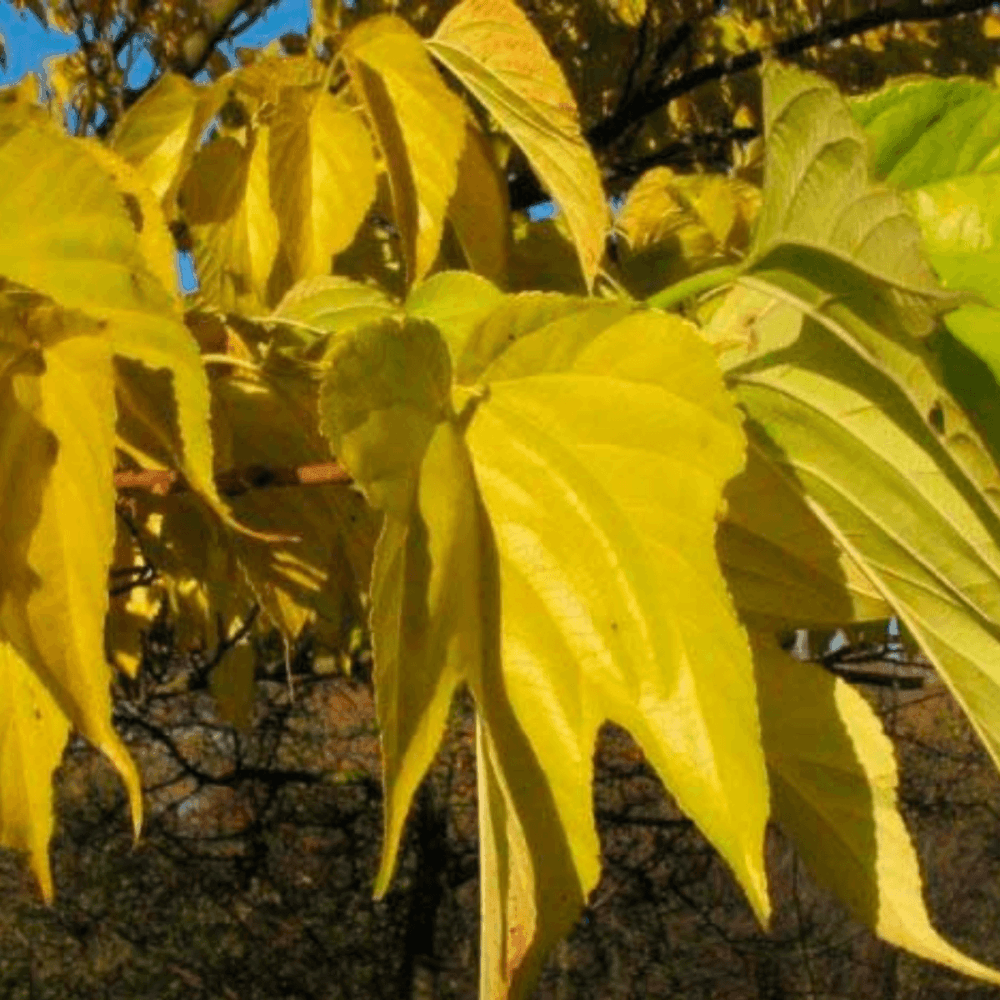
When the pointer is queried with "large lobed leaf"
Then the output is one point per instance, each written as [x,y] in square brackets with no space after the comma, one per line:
[550,470]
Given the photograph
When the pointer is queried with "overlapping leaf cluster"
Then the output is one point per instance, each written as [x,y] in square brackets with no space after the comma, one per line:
[581,509]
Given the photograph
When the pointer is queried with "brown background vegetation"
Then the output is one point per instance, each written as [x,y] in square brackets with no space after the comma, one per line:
[253,877]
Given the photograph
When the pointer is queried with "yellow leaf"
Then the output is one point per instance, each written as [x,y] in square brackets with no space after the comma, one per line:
[233,685]
[874,40]
[271,421]
[491,46]
[819,735]
[420,127]
[681,112]
[457,303]
[68,233]
[57,460]
[675,225]
[322,178]
[65,75]
[479,209]
[744,117]
[543,258]
[630,12]
[522,554]
[781,566]
[991,26]
[160,133]
[199,571]
[226,202]
[33,734]
[146,213]
[132,610]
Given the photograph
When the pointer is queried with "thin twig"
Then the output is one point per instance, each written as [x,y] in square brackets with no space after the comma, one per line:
[233,482]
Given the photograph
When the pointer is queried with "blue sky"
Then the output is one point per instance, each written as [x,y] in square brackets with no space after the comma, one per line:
[29,44]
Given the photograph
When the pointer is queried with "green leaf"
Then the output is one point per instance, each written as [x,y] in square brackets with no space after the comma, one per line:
[937,141]
[555,495]
[817,194]
[491,46]
[850,411]
[420,127]
[820,734]
[923,129]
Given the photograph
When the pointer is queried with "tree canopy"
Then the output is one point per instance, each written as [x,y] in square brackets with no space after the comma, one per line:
[585,469]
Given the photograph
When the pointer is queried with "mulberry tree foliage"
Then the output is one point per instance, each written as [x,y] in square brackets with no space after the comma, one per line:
[585,469]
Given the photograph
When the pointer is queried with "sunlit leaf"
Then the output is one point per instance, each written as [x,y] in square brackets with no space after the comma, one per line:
[456,302]
[70,235]
[33,733]
[820,734]
[322,176]
[817,194]
[317,307]
[674,225]
[955,196]
[491,46]
[147,217]
[225,200]
[630,12]
[420,127]
[160,133]
[270,422]
[57,458]
[530,500]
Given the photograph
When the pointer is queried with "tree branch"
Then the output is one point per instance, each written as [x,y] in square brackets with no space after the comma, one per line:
[525,189]
[644,104]
[233,482]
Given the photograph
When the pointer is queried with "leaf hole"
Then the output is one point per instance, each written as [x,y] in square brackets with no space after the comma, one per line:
[134,210]
[936,418]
